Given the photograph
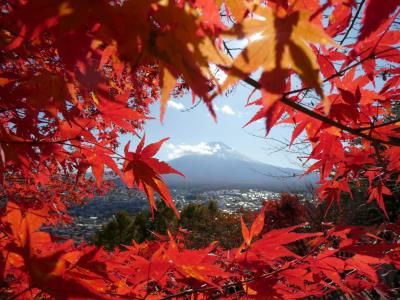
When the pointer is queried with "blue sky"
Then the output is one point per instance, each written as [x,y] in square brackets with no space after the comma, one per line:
[191,129]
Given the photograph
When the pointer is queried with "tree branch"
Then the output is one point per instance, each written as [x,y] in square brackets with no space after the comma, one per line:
[379,125]
[312,113]
[323,118]
[39,142]
[352,22]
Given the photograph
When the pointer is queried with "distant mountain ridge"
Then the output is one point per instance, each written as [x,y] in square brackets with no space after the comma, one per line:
[225,167]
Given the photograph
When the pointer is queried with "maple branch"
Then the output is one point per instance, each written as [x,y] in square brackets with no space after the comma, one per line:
[38,142]
[297,106]
[379,125]
[227,49]
[337,74]
[352,22]
[256,85]
[192,107]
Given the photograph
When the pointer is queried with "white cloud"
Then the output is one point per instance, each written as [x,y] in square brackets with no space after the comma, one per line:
[176,105]
[185,149]
[226,109]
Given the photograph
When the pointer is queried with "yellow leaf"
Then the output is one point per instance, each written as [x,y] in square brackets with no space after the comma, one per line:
[94,97]
[186,51]
[282,44]
[168,82]
[65,9]
[248,290]
[237,8]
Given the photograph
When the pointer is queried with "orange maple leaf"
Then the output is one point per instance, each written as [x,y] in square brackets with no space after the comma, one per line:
[279,42]
[255,229]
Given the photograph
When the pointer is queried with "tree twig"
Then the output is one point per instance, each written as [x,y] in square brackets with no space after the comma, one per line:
[352,22]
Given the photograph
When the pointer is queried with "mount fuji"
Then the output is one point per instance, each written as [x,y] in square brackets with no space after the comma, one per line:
[223,167]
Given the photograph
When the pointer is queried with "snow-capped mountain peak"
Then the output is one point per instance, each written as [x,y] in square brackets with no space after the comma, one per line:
[216,164]
[223,151]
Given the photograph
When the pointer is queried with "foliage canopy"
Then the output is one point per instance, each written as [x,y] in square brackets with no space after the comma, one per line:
[76,75]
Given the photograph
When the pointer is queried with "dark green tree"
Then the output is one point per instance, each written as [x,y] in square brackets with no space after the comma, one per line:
[123,228]
[118,231]
[205,222]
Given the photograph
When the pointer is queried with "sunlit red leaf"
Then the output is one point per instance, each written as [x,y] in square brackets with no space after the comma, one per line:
[376,12]
[143,171]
